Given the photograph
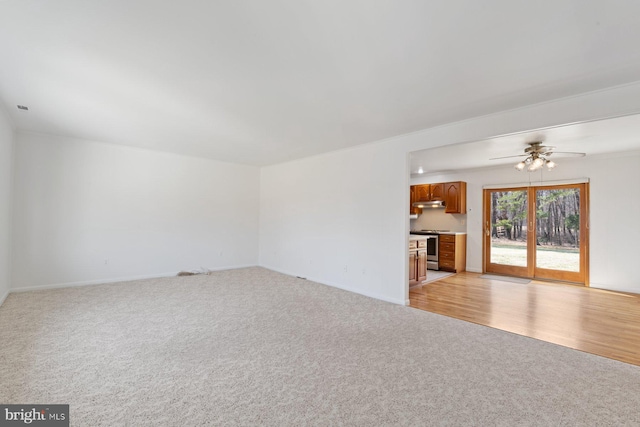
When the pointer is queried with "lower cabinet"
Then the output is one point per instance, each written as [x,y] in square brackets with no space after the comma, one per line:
[417,261]
[452,253]
[422,265]
[413,266]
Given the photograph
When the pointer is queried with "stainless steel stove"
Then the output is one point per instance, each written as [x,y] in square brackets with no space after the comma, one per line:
[427,232]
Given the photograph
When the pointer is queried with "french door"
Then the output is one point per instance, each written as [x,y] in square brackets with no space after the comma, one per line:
[537,232]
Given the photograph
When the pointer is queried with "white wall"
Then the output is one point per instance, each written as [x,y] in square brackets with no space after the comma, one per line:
[6,167]
[326,218]
[614,211]
[87,212]
[350,208]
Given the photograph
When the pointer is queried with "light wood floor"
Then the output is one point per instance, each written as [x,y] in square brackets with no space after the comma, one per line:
[595,321]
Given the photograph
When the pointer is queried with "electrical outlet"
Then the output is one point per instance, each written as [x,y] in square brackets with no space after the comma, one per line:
[346,268]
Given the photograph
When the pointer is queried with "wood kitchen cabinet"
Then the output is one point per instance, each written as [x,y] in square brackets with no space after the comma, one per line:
[455,197]
[436,192]
[429,192]
[412,209]
[417,261]
[422,192]
[452,252]
[421,264]
[413,254]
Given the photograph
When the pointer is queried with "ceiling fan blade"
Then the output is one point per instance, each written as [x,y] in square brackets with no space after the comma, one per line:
[535,147]
[509,157]
[566,154]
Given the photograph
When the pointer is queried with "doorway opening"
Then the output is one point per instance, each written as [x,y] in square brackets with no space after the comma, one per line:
[538,232]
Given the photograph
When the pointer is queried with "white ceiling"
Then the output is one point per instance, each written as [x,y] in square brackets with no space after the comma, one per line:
[620,134]
[261,82]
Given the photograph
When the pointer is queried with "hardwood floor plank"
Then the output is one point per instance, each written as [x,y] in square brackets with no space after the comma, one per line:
[595,321]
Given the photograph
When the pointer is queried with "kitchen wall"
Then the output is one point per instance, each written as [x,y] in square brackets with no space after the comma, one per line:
[342,218]
[614,209]
[87,212]
[436,219]
[6,172]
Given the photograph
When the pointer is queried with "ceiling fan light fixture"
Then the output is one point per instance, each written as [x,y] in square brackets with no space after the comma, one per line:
[537,156]
[536,164]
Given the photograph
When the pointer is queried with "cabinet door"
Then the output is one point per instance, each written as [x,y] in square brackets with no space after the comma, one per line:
[423,193]
[413,268]
[446,253]
[422,265]
[453,253]
[437,192]
[412,209]
[455,197]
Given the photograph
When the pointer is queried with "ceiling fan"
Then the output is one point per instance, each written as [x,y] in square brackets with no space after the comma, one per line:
[537,155]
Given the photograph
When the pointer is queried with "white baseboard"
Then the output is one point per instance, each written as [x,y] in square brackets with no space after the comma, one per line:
[232,267]
[171,274]
[339,286]
[91,282]
[4,297]
[115,280]
[618,288]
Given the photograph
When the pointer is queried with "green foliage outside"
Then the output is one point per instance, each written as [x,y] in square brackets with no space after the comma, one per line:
[557,216]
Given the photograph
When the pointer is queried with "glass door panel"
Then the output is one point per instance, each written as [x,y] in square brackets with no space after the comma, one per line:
[506,231]
[558,233]
[537,232]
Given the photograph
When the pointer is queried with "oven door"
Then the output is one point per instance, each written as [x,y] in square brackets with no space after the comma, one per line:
[432,252]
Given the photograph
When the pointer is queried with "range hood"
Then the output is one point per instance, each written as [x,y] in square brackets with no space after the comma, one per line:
[432,204]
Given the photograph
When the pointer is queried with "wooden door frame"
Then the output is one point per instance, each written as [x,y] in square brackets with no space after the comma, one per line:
[510,270]
[531,271]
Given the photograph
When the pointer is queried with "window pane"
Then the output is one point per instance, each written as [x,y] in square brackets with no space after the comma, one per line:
[558,229]
[509,228]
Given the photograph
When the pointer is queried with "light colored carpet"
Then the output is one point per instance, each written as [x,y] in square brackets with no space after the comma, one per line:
[506,278]
[251,346]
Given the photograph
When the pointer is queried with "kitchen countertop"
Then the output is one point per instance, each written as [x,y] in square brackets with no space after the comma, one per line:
[418,237]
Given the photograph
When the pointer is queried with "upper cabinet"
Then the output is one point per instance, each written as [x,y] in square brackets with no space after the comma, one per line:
[455,197]
[437,191]
[412,209]
[453,194]
[422,192]
[429,192]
